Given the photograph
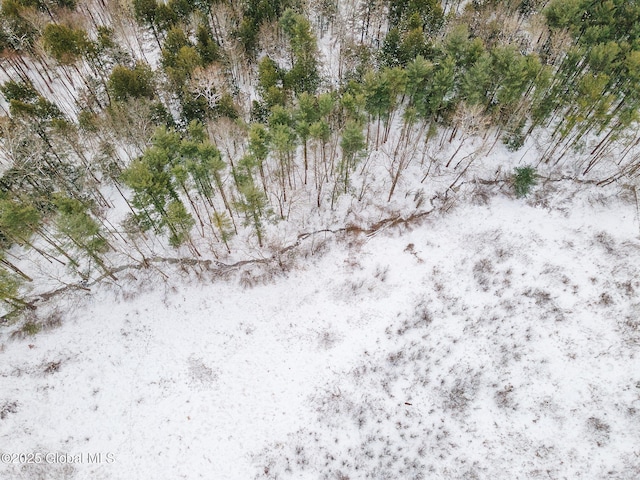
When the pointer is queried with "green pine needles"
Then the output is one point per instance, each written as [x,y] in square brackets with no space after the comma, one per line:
[523,180]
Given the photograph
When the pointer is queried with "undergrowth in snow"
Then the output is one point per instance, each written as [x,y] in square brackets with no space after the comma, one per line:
[498,340]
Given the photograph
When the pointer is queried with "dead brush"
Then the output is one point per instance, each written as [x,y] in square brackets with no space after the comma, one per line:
[629,326]
[504,397]
[316,247]
[541,297]
[606,242]
[327,339]
[8,408]
[260,274]
[34,322]
[381,272]
[481,194]
[248,280]
[599,430]
[458,396]
[482,271]
[52,367]
[606,300]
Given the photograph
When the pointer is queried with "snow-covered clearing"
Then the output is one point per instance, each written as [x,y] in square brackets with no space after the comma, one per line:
[499,340]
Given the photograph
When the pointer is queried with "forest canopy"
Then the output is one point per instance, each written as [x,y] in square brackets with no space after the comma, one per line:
[210,120]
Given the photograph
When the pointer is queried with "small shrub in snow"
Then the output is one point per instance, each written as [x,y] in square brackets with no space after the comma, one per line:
[606,242]
[247,280]
[600,430]
[30,328]
[605,299]
[514,140]
[421,318]
[381,272]
[482,270]
[541,297]
[523,180]
[396,358]
[633,323]
[201,375]
[626,288]
[317,246]
[8,408]
[481,194]
[34,323]
[457,398]
[52,367]
[52,320]
[504,397]
[327,339]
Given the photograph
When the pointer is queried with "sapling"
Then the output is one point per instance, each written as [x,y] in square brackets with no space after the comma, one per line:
[523,180]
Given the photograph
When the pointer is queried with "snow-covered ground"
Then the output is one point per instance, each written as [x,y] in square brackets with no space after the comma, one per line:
[497,341]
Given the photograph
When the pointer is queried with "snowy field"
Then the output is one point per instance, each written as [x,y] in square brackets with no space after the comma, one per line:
[497,341]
